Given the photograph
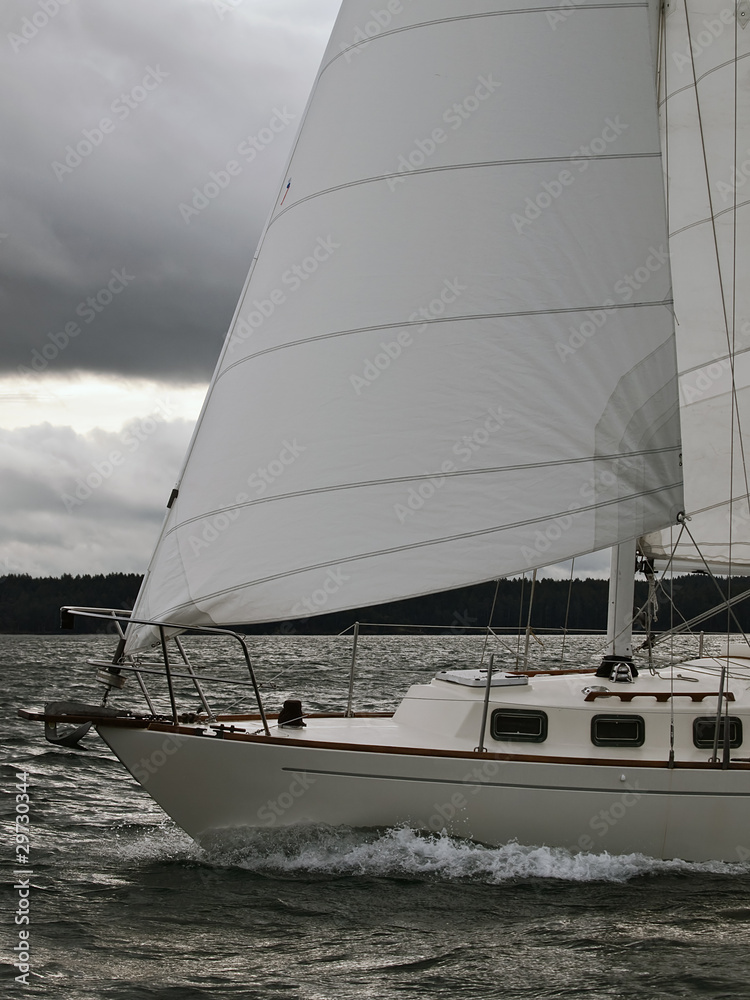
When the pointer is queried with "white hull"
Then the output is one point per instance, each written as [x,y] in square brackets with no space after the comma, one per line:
[212,786]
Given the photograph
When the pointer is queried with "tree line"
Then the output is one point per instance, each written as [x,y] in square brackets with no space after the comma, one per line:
[31,605]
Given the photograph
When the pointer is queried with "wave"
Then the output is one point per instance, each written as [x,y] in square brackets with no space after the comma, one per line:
[397,853]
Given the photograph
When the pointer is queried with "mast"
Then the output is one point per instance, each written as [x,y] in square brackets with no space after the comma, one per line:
[620,609]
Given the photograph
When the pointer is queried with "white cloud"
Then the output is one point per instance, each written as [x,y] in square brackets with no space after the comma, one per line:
[86,503]
[87,402]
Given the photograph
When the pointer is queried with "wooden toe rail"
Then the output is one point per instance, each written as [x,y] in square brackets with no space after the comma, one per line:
[658,695]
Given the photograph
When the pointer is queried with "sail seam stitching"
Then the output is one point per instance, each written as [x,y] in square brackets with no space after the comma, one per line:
[445,319]
[714,69]
[702,222]
[419,545]
[356,46]
[712,361]
[479,164]
[339,487]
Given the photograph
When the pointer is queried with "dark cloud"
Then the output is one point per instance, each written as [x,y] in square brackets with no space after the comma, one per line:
[179,85]
[86,503]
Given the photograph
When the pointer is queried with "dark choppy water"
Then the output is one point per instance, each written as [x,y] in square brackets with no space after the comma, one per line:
[125,907]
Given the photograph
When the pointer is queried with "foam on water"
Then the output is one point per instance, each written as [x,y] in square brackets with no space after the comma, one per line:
[341,851]
[163,843]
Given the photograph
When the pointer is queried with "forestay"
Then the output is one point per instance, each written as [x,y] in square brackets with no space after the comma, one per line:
[454,356]
[706,132]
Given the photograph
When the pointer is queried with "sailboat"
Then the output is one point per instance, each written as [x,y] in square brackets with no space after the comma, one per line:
[461,353]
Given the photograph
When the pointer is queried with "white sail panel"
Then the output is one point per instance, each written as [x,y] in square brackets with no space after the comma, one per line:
[706,142]
[454,358]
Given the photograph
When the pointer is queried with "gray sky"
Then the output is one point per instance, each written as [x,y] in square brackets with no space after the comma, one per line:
[181,84]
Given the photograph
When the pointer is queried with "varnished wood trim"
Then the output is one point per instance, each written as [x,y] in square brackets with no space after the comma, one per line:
[426,752]
[554,673]
[169,728]
[141,721]
[661,696]
[255,716]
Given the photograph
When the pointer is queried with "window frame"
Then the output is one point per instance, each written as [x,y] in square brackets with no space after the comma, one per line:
[619,717]
[534,713]
[735,722]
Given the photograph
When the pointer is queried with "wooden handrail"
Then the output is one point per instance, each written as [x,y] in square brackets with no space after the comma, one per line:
[661,696]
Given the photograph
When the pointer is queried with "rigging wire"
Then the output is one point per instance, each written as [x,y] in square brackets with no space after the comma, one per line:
[671,658]
[567,613]
[520,621]
[529,632]
[710,573]
[489,621]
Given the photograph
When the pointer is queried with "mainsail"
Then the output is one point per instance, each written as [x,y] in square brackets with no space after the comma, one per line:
[705,120]
[454,356]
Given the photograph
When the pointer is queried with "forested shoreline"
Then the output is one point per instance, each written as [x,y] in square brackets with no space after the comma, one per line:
[31,605]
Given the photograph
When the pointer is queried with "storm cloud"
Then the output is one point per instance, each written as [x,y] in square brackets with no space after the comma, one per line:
[116,115]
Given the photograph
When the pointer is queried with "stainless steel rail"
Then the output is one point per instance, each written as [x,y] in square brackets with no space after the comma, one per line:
[69,613]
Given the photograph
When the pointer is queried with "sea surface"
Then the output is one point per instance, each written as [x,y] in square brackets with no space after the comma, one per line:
[122,905]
